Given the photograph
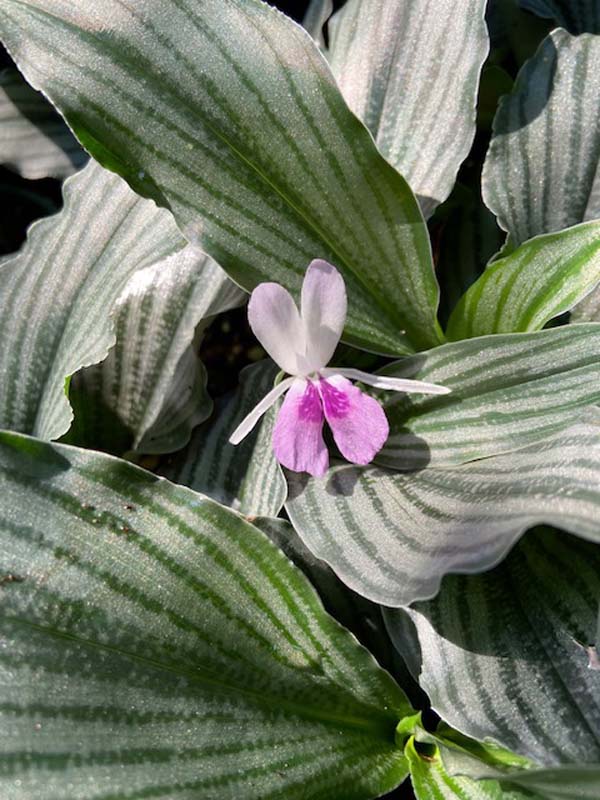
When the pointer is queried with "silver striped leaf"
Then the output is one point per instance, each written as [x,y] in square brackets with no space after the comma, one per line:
[158,645]
[542,167]
[588,309]
[58,291]
[151,388]
[317,14]
[577,16]
[227,113]
[504,655]
[392,536]
[246,477]
[543,278]
[508,390]
[34,140]
[410,71]
[568,782]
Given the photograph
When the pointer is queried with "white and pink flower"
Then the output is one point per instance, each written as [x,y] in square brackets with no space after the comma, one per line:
[302,343]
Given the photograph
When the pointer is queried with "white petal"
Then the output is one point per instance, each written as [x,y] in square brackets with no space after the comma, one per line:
[383,382]
[276,323]
[248,423]
[323,310]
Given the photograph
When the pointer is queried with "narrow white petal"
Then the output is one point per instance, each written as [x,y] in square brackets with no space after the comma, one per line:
[384,382]
[248,423]
[323,311]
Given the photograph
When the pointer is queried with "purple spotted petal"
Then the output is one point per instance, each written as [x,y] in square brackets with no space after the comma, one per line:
[298,433]
[323,310]
[359,425]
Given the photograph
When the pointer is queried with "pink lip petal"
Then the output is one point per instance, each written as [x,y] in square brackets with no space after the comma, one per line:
[358,423]
[298,434]
[323,310]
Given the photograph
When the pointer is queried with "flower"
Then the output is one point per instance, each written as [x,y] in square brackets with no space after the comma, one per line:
[302,343]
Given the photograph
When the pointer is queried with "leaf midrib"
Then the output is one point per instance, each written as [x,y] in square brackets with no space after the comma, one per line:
[381,728]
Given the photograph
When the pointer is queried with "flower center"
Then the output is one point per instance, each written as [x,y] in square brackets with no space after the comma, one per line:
[309,408]
[336,402]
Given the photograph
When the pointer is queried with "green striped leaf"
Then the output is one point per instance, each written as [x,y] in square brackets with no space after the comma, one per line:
[34,140]
[410,71]
[246,477]
[151,389]
[539,280]
[503,654]
[58,291]
[392,537]
[541,170]
[431,780]
[577,16]
[356,613]
[507,391]
[519,778]
[158,645]
[228,114]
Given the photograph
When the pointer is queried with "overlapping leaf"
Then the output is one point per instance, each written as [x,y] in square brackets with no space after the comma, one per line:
[504,654]
[570,782]
[541,171]
[34,140]
[507,391]
[151,389]
[577,16]
[356,613]
[57,294]
[410,71]
[392,537]
[317,14]
[541,279]
[227,113]
[148,627]
[246,477]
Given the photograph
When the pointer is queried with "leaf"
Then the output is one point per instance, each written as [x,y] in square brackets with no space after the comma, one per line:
[152,387]
[58,291]
[317,14]
[576,17]
[541,170]
[228,114]
[246,477]
[507,391]
[568,782]
[354,612]
[431,780]
[392,537]
[34,140]
[493,767]
[539,280]
[410,71]
[502,654]
[159,645]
